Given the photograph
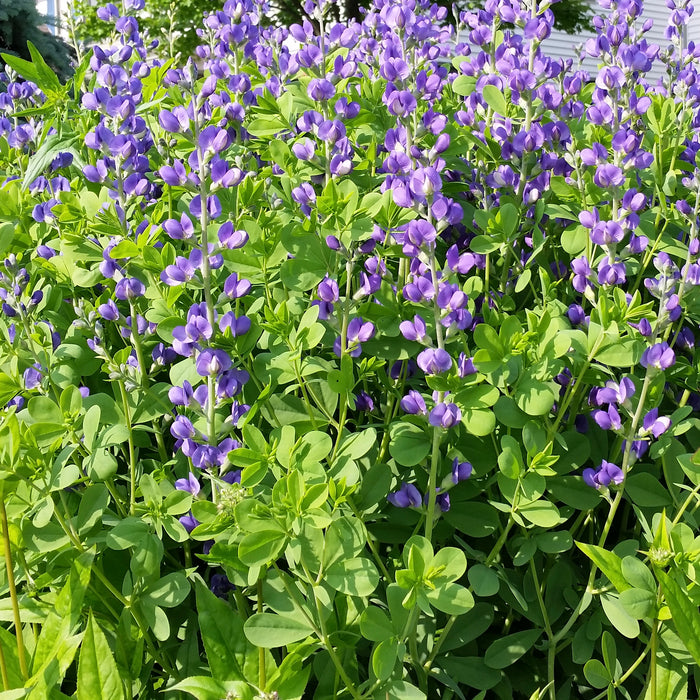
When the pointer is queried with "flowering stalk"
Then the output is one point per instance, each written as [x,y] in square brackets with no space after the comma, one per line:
[9,567]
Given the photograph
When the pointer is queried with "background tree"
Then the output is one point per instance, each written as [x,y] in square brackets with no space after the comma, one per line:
[173,24]
[570,15]
[20,22]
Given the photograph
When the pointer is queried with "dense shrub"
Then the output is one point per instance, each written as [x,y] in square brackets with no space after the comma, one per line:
[364,368]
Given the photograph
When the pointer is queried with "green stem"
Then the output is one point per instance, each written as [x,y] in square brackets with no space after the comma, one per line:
[132,452]
[432,480]
[261,652]
[13,591]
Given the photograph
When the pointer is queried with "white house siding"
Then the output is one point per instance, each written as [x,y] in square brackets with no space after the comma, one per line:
[561,45]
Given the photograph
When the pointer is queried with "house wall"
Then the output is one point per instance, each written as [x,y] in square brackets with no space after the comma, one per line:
[561,45]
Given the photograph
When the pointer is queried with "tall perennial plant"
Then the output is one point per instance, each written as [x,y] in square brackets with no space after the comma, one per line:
[352,361]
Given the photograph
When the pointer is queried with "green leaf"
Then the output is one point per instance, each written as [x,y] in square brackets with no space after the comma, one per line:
[47,80]
[409,445]
[596,674]
[448,565]
[375,624]
[270,631]
[645,490]
[639,603]
[541,513]
[262,547]
[98,676]
[623,353]
[620,619]
[484,580]
[671,678]
[533,397]
[684,612]
[464,85]
[637,574]
[507,650]
[169,591]
[451,598]
[555,542]
[384,659]
[221,630]
[358,576]
[610,564]
[495,99]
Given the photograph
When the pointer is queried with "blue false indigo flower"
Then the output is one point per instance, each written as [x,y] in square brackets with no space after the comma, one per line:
[220,586]
[213,206]
[174,175]
[235,288]
[605,474]
[182,271]
[179,230]
[32,376]
[445,415]
[129,288]
[608,175]
[644,327]
[465,366]
[606,233]
[655,425]
[238,326]
[358,332]
[607,420]
[231,239]
[44,251]
[613,392]
[320,89]
[163,355]
[686,339]
[304,149]
[415,330]
[434,361]
[659,356]
[189,522]
[408,496]
[328,290]
[190,484]
[413,403]
[182,428]
[461,471]
[108,311]
[441,499]
[238,411]
[582,274]
[612,272]
[181,396]
[212,362]
[364,402]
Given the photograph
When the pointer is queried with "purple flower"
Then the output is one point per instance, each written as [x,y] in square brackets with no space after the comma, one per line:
[413,403]
[238,326]
[179,230]
[659,356]
[445,415]
[607,420]
[434,361]
[190,484]
[364,402]
[235,288]
[182,428]
[211,362]
[189,522]
[442,500]
[129,288]
[231,239]
[465,366]
[181,396]
[415,330]
[655,425]
[603,476]
[461,471]
[108,311]
[408,496]
[358,332]
[320,89]
[32,376]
